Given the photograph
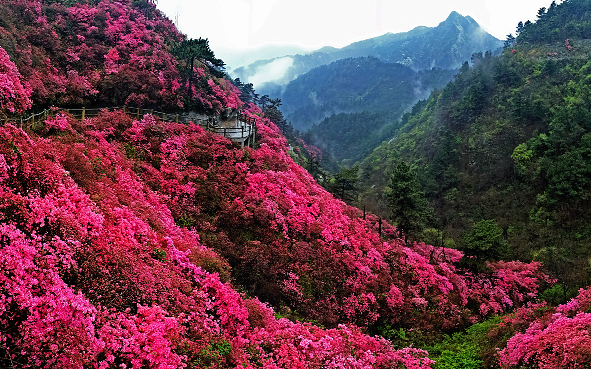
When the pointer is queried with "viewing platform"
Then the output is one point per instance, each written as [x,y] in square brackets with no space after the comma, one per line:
[239,127]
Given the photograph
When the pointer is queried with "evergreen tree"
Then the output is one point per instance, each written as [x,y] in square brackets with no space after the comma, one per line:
[510,40]
[247,91]
[271,110]
[192,49]
[410,209]
[464,69]
[263,101]
[345,184]
[315,169]
[519,27]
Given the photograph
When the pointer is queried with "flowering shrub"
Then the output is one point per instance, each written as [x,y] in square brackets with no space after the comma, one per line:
[558,338]
[313,152]
[96,272]
[107,52]
[118,236]
[14,97]
[292,244]
[113,221]
[59,122]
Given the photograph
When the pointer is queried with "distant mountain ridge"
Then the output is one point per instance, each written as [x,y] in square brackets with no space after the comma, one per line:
[354,85]
[446,46]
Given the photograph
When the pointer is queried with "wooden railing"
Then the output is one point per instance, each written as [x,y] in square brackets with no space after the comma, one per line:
[243,132]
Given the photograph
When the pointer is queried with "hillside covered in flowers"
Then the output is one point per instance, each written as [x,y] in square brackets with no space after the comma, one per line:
[141,243]
[105,53]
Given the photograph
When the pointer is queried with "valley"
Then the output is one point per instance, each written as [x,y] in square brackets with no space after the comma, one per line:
[390,209]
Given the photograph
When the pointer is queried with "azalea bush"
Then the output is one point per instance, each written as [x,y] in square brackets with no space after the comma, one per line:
[104,52]
[96,272]
[295,246]
[551,338]
[122,229]
[14,96]
[124,242]
[87,276]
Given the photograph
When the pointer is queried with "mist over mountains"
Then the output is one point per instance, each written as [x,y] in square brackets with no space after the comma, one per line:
[349,99]
[446,46]
[355,85]
[132,240]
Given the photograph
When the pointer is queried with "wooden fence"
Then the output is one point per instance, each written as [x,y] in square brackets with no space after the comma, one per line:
[242,131]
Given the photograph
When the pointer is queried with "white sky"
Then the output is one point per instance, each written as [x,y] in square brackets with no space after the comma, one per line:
[237,27]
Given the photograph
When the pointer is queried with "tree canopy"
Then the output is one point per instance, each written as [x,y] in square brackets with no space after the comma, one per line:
[406,200]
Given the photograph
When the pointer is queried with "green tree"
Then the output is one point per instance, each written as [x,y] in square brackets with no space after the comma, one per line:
[271,110]
[464,69]
[410,209]
[312,165]
[519,28]
[484,242]
[345,184]
[247,91]
[198,49]
[509,41]
[522,157]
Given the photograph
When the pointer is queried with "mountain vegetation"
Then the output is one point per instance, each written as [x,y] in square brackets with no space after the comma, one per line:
[446,46]
[356,104]
[501,152]
[136,242]
[348,85]
[357,85]
[352,104]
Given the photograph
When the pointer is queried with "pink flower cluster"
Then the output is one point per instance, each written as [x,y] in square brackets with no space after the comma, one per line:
[313,152]
[59,122]
[107,52]
[558,338]
[296,246]
[91,235]
[96,273]
[14,96]
[118,237]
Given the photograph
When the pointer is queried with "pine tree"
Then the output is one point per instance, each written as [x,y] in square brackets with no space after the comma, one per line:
[271,110]
[410,209]
[345,184]
[192,49]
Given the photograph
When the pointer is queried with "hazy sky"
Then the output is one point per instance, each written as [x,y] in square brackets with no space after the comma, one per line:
[236,26]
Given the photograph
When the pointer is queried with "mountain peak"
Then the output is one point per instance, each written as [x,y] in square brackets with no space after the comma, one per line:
[456,18]
[454,15]
[446,46]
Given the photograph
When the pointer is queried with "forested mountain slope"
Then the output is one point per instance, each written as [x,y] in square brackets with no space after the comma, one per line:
[346,86]
[508,141]
[352,104]
[132,242]
[357,85]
